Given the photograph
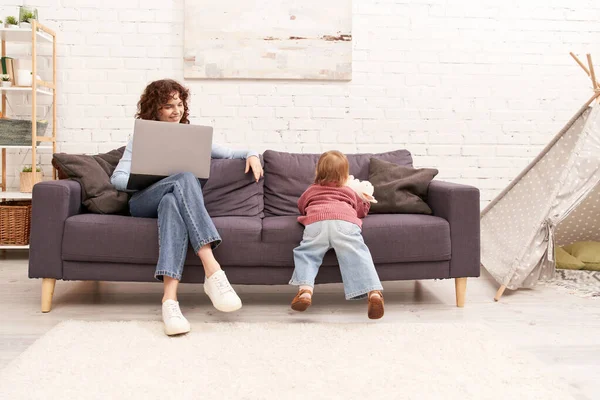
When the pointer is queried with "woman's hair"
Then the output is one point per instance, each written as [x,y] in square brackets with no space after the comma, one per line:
[158,93]
[332,168]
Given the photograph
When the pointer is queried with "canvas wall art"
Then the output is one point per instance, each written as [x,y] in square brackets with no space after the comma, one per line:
[270,39]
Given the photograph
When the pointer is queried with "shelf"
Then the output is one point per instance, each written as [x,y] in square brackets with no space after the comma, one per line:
[25,89]
[3,146]
[11,247]
[22,35]
[15,195]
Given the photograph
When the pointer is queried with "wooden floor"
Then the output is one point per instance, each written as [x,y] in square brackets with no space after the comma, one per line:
[560,329]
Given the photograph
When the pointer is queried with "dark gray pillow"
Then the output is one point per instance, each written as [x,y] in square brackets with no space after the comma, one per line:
[231,192]
[93,173]
[399,189]
[288,175]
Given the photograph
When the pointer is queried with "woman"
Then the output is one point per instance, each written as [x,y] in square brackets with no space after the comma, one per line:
[178,204]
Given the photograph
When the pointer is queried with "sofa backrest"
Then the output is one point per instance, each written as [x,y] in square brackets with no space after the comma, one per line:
[231,192]
[287,175]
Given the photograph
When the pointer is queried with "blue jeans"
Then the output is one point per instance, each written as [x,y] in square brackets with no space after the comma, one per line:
[356,265]
[178,203]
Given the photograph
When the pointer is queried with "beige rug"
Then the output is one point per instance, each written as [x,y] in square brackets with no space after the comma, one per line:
[131,360]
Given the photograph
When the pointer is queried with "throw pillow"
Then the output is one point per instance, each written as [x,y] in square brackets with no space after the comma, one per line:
[587,252]
[93,174]
[231,192]
[566,261]
[399,188]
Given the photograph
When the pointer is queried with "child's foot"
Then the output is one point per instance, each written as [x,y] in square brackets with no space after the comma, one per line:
[175,322]
[375,304]
[220,292]
[303,300]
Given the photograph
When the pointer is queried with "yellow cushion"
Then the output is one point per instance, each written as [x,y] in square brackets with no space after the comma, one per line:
[566,261]
[587,252]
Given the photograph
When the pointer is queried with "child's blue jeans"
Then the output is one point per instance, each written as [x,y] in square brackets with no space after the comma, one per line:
[356,265]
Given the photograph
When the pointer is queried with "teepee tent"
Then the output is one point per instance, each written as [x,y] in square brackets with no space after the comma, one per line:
[554,201]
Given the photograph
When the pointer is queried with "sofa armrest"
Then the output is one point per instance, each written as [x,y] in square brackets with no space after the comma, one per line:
[459,205]
[52,203]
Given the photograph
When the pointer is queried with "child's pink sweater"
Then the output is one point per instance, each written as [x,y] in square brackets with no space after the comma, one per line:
[320,202]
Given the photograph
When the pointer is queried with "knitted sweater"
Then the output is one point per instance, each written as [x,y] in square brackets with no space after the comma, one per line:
[320,202]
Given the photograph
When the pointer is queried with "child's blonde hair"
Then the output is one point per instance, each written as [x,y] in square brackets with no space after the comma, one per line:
[332,168]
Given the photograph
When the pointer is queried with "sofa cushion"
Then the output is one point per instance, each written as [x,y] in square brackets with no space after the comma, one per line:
[121,239]
[288,175]
[399,189]
[93,173]
[231,192]
[391,238]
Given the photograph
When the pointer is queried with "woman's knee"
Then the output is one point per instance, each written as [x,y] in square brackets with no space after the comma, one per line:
[167,202]
[187,179]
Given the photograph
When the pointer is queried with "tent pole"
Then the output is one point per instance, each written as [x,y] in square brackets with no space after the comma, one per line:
[592,73]
[582,65]
[499,293]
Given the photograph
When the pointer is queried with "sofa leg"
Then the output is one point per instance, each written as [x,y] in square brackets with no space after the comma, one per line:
[47,293]
[460,284]
[499,293]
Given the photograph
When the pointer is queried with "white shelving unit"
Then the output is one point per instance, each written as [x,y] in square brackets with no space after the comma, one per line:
[15,195]
[38,33]
[25,89]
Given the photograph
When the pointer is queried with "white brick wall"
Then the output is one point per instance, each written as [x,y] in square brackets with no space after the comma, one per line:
[474,89]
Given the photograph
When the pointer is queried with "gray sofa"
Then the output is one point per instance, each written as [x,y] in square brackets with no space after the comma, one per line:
[257,222]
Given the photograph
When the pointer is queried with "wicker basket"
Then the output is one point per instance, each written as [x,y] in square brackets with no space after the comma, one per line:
[15,222]
[17,132]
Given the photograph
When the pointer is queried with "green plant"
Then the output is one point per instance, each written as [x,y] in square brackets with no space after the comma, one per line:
[5,77]
[27,16]
[29,168]
[11,20]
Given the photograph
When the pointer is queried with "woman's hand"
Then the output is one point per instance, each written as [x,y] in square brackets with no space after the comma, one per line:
[254,163]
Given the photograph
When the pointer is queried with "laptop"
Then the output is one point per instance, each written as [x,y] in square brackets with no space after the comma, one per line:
[161,149]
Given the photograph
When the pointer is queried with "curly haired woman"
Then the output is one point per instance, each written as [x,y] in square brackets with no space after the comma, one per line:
[178,204]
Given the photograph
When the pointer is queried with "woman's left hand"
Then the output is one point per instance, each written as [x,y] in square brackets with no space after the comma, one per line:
[254,163]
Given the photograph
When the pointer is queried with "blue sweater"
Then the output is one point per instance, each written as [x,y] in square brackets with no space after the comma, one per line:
[120,176]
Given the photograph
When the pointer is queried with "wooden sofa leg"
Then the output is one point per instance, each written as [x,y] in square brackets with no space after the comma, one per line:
[47,293]
[460,285]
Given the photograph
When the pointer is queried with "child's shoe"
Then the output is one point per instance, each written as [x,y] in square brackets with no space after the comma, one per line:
[301,303]
[375,310]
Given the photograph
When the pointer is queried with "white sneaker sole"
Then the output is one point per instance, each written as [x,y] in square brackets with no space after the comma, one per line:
[228,308]
[224,307]
[174,331]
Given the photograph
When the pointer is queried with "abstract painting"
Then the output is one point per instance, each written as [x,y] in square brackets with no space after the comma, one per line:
[270,39]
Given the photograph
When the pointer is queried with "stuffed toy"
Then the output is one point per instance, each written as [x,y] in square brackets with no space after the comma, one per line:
[364,188]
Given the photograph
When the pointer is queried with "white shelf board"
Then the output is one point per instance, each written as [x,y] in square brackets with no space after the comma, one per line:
[22,35]
[11,247]
[43,147]
[26,89]
[14,195]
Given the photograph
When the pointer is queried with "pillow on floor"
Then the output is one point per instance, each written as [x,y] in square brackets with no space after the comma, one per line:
[399,188]
[566,261]
[93,173]
[591,266]
[588,252]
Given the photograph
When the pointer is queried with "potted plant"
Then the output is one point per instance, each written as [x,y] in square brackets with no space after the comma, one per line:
[5,78]
[27,179]
[26,20]
[26,14]
[11,22]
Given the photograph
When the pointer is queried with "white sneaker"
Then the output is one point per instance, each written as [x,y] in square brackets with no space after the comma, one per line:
[175,322]
[222,295]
